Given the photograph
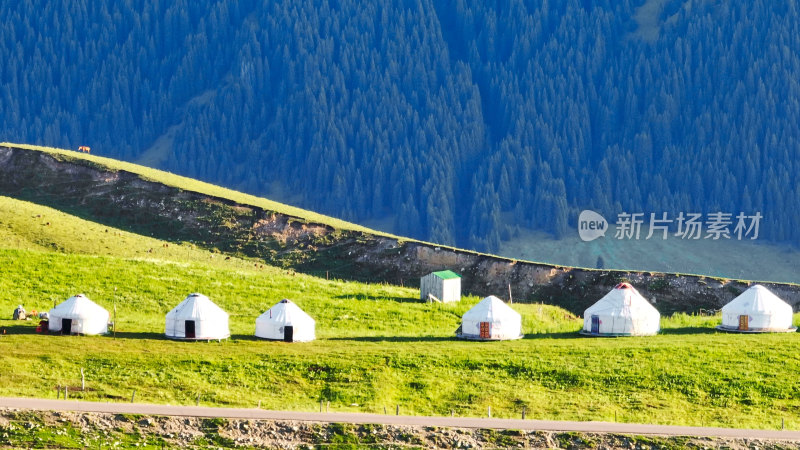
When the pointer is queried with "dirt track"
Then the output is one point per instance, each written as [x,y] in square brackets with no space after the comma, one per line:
[422,421]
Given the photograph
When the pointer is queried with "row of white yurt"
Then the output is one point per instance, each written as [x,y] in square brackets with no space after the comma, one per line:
[198,318]
[624,312]
[621,312]
[195,318]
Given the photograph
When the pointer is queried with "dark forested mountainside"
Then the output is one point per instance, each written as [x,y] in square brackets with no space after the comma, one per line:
[460,119]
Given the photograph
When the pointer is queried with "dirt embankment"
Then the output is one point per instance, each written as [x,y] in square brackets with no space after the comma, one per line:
[124,199]
[95,430]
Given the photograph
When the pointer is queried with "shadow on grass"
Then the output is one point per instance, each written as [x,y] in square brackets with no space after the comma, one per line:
[252,338]
[530,336]
[376,298]
[23,328]
[138,335]
[558,335]
[163,337]
[395,338]
[565,335]
[689,330]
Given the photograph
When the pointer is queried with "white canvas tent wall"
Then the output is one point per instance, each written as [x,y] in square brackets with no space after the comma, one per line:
[197,318]
[621,312]
[287,322]
[757,310]
[444,285]
[491,319]
[78,315]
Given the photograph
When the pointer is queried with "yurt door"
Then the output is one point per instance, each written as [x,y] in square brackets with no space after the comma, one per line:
[66,326]
[744,322]
[288,334]
[595,324]
[190,333]
[486,330]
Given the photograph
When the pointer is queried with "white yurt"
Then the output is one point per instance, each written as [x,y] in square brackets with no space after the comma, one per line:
[757,310]
[78,315]
[197,318]
[491,319]
[286,322]
[621,312]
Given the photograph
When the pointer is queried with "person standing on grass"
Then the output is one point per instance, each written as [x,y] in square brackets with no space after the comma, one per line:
[19,313]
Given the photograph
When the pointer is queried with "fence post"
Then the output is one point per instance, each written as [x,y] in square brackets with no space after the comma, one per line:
[397,410]
[490,412]
[523,413]
[83,381]
[133,395]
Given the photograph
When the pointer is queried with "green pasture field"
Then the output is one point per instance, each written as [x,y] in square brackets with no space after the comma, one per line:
[377,346]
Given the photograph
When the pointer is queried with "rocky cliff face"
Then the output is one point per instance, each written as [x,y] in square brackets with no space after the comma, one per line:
[127,200]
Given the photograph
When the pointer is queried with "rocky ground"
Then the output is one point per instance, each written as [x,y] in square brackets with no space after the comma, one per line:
[26,429]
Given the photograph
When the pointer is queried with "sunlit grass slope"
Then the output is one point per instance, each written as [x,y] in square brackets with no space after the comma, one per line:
[189,184]
[378,346]
[194,185]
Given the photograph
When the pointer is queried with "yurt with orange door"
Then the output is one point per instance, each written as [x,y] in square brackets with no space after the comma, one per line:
[757,310]
[490,320]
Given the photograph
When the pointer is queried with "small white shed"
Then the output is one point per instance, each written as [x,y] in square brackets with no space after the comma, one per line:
[444,285]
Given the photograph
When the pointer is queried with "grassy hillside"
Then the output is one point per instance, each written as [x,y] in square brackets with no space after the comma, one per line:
[378,346]
[170,179]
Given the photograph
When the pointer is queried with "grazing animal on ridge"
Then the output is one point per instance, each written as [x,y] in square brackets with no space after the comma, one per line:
[84,149]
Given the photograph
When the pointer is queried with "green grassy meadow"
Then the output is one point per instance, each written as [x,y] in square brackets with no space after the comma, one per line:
[377,346]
